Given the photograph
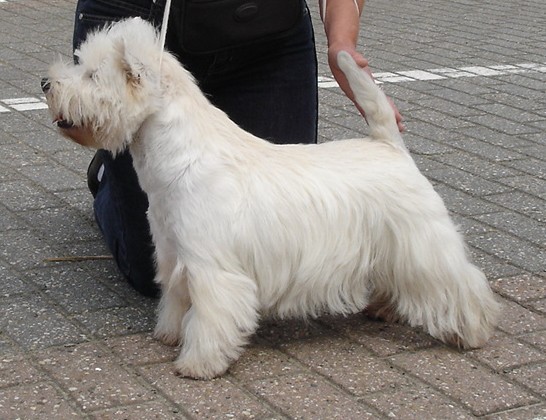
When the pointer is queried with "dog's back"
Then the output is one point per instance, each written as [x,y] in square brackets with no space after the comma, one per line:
[378,110]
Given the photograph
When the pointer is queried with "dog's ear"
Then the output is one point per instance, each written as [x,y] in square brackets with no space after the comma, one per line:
[130,64]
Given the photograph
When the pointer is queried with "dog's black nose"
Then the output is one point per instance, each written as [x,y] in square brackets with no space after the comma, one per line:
[46,84]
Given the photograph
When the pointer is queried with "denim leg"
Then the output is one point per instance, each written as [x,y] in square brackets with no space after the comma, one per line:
[120,211]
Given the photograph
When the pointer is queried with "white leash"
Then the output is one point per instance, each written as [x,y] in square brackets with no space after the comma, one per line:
[163,34]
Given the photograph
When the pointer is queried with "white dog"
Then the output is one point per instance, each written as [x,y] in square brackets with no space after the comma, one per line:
[244,228]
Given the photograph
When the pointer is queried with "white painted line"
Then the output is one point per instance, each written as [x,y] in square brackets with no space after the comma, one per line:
[30,107]
[15,101]
[447,72]
[531,66]
[482,71]
[387,77]
[326,82]
[326,85]
[2,109]
[421,75]
[452,73]
[23,104]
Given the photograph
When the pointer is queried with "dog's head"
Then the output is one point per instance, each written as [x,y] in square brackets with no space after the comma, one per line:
[103,100]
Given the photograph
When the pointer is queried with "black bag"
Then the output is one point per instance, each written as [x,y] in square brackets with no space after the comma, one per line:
[209,26]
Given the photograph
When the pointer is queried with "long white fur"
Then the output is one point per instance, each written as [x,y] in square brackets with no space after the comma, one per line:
[244,228]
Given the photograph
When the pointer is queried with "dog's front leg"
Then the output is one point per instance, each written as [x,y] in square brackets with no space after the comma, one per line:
[223,314]
[173,306]
[175,298]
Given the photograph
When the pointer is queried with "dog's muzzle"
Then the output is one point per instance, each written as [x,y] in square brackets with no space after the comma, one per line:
[61,122]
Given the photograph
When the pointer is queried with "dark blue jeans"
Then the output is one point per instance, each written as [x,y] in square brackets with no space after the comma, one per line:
[268,89]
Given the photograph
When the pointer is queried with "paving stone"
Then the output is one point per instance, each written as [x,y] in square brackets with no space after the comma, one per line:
[23,249]
[511,248]
[19,155]
[49,142]
[24,195]
[522,203]
[155,410]
[516,224]
[492,266]
[468,162]
[12,283]
[467,182]
[61,224]
[417,401]
[381,338]
[537,339]
[79,199]
[34,324]
[538,305]
[468,226]
[93,377]
[502,353]
[141,349]
[523,413]
[308,396]
[508,112]
[498,123]
[348,364]
[471,141]
[9,349]
[515,319]
[53,177]
[260,362]
[75,289]
[476,387]
[464,203]
[444,120]
[532,166]
[424,146]
[521,288]
[439,139]
[35,401]
[217,398]
[10,220]
[533,376]
[111,322]
[17,371]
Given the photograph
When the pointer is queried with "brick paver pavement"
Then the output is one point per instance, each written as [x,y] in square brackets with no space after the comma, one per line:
[470,80]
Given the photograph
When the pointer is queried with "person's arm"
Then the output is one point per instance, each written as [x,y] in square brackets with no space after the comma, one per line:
[342,24]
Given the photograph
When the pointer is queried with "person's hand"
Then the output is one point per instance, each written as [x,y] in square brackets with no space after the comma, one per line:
[344,84]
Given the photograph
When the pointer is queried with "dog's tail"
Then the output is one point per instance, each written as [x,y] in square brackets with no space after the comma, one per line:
[378,110]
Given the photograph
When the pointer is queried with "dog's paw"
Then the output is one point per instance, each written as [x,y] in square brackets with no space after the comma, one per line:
[200,369]
[169,339]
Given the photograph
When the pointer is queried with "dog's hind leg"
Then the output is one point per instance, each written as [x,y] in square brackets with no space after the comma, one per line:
[222,317]
[433,284]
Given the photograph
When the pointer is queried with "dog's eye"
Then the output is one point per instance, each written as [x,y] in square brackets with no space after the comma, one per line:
[91,75]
